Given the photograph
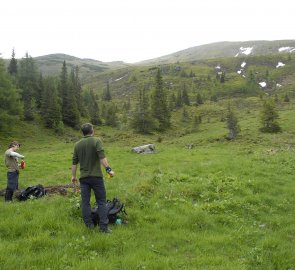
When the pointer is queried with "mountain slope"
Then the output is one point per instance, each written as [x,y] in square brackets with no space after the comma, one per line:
[51,65]
[225,49]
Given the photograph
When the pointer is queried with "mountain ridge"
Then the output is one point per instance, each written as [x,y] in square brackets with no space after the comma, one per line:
[220,50]
[51,64]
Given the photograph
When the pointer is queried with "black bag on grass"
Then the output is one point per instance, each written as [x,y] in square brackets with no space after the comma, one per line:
[34,191]
[114,208]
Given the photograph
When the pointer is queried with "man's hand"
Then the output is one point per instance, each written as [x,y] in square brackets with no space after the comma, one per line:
[74,180]
[110,172]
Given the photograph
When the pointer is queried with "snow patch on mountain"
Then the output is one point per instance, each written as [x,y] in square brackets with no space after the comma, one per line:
[240,71]
[286,49]
[243,64]
[246,51]
[120,78]
[280,64]
[262,84]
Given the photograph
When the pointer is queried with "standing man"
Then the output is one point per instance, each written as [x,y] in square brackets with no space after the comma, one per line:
[11,162]
[89,153]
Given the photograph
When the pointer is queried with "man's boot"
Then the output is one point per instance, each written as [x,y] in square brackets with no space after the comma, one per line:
[8,195]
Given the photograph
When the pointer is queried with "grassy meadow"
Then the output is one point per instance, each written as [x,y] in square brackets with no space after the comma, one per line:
[218,204]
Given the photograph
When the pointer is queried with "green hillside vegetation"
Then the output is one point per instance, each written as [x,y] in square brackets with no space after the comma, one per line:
[218,192]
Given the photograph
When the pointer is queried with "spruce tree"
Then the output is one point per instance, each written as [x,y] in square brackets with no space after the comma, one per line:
[63,90]
[70,112]
[172,102]
[232,124]
[127,105]
[107,93]
[51,111]
[39,91]
[179,101]
[196,122]
[93,108]
[27,81]
[142,120]
[184,96]
[111,118]
[199,99]
[251,85]
[222,77]
[269,117]
[12,68]
[286,98]
[78,91]
[10,105]
[160,110]
[185,118]
[28,101]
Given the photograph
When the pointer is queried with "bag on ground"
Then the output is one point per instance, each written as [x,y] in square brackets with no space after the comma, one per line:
[32,192]
[114,209]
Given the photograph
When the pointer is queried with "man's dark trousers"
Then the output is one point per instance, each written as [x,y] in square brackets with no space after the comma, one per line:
[97,185]
[12,185]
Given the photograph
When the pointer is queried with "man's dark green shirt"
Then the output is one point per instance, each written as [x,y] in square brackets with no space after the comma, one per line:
[88,152]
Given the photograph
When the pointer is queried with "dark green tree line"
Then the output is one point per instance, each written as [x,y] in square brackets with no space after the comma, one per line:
[10,105]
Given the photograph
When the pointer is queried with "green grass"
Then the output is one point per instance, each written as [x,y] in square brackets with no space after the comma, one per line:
[220,205]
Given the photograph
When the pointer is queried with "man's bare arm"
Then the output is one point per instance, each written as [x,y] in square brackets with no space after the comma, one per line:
[104,162]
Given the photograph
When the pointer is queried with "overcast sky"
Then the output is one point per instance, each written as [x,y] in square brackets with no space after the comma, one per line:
[135,30]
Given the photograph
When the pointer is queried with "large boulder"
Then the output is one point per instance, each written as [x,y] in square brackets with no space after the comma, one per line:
[144,149]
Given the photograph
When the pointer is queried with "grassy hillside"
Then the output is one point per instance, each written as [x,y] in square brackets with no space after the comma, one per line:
[215,205]
[201,77]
